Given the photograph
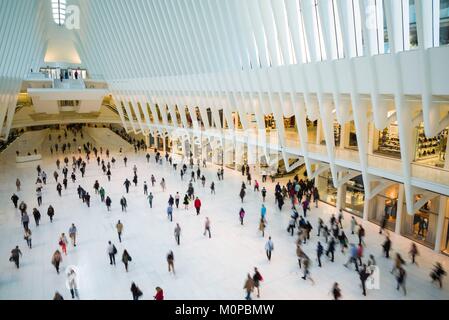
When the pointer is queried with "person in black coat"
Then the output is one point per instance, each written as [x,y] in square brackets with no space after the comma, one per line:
[137,293]
[364,275]
[15,200]
[319,253]
[37,216]
[331,249]
[386,247]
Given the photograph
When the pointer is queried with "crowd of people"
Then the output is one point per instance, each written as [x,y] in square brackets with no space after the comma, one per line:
[300,195]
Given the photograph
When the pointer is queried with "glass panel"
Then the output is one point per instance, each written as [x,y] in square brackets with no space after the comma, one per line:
[444,22]
[412,21]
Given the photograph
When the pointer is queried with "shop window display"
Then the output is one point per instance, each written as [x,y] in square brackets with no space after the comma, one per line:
[431,151]
[388,141]
[352,142]
[328,193]
[354,196]
[421,226]
[337,134]
[312,129]
[269,122]
[385,203]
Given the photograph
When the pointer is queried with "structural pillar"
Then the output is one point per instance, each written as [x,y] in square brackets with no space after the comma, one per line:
[318,132]
[446,162]
[440,223]
[147,140]
[399,211]
[366,208]
[370,138]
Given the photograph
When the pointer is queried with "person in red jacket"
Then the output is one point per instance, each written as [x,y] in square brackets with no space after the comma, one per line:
[159,294]
[197,205]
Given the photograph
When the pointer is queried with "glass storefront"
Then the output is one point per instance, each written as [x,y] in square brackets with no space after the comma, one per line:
[328,193]
[352,144]
[387,141]
[421,227]
[337,134]
[312,129]
[385,203]
[431,151]
[445,242]
[269,122]
[354,196]
[55,73]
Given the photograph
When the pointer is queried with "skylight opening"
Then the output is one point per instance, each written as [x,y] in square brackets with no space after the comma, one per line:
[58,11]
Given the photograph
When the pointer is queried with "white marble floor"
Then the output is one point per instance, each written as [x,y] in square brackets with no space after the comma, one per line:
[205,268]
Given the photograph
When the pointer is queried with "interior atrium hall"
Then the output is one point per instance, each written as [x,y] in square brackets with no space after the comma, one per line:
[242,143]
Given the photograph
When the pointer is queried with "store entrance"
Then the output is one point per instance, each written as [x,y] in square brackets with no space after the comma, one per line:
[421,227]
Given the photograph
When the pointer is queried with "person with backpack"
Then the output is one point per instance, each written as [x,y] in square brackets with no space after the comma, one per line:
[15,200]
[112,251]
[257,278]
[437,274]
[136,292]
[126,258]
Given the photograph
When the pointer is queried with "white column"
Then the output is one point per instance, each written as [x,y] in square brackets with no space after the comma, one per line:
[341,192]
[366,207]
[440,223]
[147,140]
[318,132]
[399,213]
[370,138]
[446,162]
